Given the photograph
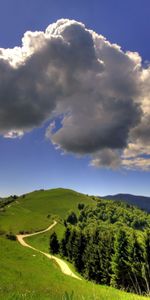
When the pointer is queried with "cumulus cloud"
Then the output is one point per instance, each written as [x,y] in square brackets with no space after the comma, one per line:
[100,92]
[106,158]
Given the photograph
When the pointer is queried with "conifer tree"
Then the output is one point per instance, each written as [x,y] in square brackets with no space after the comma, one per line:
[146,268]
[92,257]
[120,260]
[136,264]
[72,244]
[79,253]
[106,250]
[72,218]
[64,242]
[54,243]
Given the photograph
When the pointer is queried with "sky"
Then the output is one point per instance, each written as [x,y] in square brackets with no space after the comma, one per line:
[74,96]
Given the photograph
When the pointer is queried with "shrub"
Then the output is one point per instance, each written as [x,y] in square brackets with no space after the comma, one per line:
[11,236]
[80,206]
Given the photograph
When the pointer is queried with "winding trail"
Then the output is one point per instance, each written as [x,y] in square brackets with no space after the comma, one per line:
[62,264]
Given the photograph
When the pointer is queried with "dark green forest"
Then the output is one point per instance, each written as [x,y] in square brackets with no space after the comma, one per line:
[108,244]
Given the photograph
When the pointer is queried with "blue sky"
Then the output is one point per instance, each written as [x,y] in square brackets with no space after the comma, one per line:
[32,162]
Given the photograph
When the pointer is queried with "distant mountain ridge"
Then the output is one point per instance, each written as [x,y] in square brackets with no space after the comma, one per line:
[140,201]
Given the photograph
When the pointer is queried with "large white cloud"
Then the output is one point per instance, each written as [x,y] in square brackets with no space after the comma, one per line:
[100,92]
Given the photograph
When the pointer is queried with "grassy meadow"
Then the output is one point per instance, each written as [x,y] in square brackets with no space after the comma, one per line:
[26,274]
[33,212]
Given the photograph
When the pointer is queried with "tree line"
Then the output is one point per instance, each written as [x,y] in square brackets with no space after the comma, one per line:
[110,253]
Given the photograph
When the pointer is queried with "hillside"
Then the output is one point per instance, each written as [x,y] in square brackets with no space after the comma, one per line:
[140,201]
[28,275]
[32,211]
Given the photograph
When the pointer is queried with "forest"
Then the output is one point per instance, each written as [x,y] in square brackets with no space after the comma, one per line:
[108,244]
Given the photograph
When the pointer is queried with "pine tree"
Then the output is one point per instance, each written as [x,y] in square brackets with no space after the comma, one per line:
[54,244]
[79,252]
[136,264]
[120,260]
[64,242]
[72,218]
[146,268]
[106,250]
[72,244]
[92,257]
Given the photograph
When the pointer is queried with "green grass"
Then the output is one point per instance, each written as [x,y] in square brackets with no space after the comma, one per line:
[41,241]
[26,274]
[31,213]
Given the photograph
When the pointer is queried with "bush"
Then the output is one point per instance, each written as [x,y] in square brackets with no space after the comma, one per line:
[80,206]
[15,197]
[72,218]
[11,236]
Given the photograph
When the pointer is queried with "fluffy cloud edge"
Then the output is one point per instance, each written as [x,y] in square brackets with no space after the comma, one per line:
[100,92]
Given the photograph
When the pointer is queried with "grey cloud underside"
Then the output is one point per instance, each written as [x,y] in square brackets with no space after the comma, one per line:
[106,158]
[90,131]
[73,72]
[142,131]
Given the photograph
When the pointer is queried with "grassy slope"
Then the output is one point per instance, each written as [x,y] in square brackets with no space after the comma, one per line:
[30,213]
[41,241]
[30,275]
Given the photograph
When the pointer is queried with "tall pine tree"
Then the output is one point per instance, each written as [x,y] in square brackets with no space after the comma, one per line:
[54,244]
[136,264]
[120,260]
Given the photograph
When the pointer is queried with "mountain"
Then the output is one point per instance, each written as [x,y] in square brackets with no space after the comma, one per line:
[139,201]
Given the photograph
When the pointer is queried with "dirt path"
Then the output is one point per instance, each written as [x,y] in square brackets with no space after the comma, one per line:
[62,264]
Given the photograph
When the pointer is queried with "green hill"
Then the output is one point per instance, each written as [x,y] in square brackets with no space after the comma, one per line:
[32,211]
[26,274]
